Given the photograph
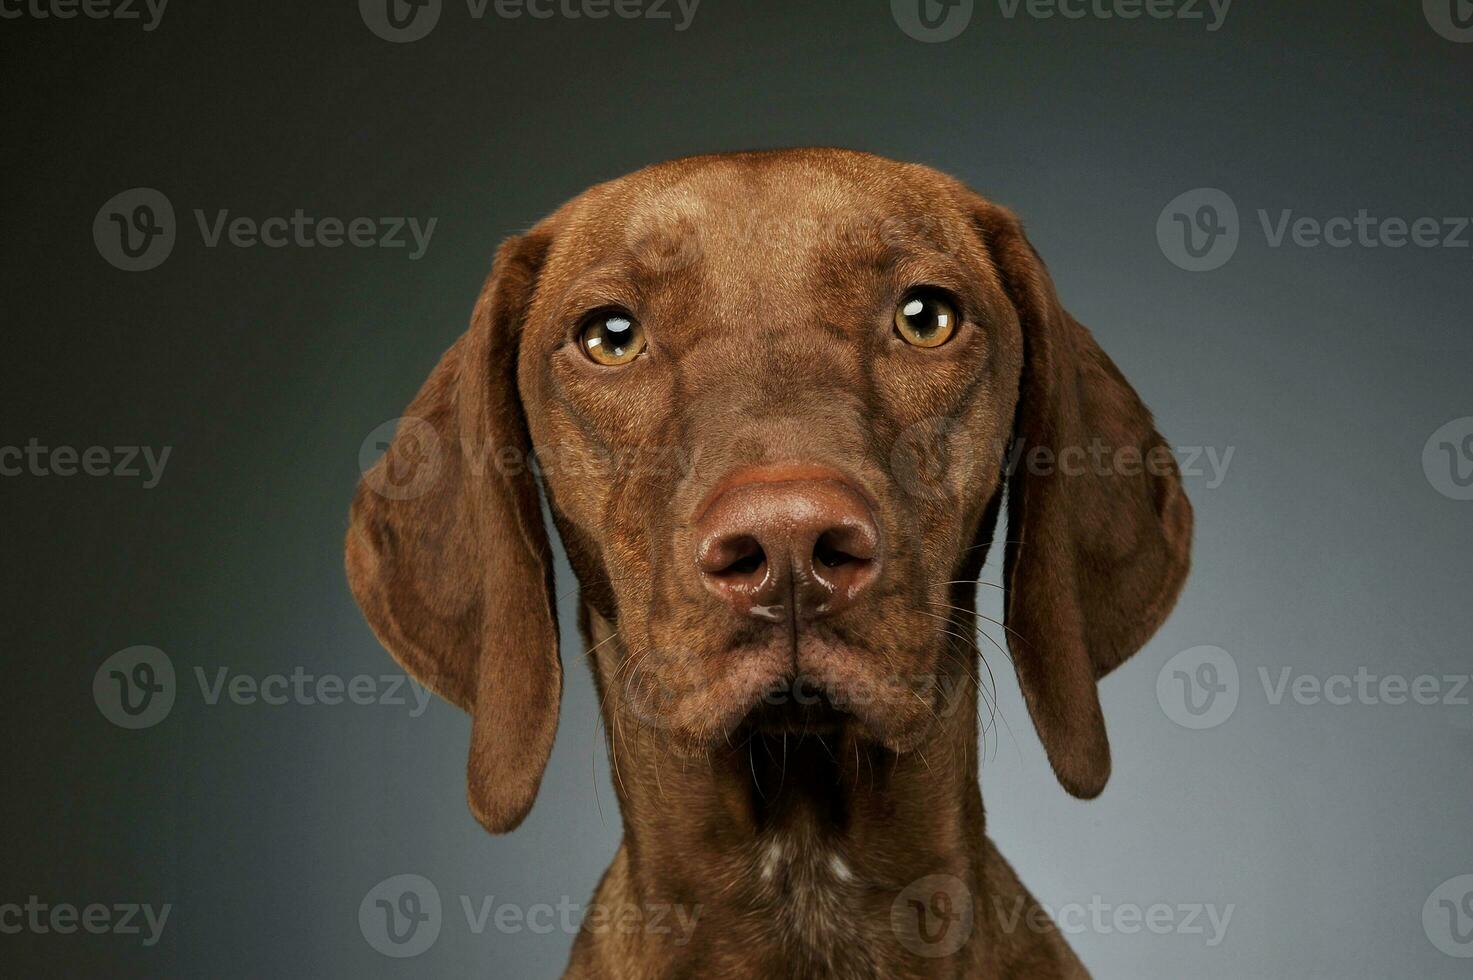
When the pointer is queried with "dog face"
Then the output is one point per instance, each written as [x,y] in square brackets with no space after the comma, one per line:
[728,467]
[774,400]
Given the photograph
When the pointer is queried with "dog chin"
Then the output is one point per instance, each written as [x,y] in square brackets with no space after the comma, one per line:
[801,717]
[832,725]
[897,718]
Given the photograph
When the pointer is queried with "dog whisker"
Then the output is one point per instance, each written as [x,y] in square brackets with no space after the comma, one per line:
[972,581]
[987,544]
[756,783]
[598,724]
[973,612]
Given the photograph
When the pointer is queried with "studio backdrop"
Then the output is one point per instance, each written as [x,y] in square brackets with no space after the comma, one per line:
[238,237]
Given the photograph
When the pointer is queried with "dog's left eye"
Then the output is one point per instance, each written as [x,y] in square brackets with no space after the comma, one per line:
[925,318]
[612,339]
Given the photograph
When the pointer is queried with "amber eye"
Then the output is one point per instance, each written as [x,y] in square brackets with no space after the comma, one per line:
[925,319]
[612,338]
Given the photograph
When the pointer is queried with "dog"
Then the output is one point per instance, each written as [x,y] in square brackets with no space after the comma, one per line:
[776,402]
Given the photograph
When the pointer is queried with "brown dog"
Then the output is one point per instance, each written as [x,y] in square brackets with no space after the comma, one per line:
[775,400]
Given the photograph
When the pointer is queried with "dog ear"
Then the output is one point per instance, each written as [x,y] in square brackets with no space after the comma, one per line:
[448,557]
[1099,528]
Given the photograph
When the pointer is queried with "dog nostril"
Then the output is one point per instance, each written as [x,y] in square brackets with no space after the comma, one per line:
[747,565]
[827,551]
[785,550]
[746,555]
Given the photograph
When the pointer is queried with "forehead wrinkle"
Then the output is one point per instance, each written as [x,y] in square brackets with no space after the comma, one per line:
[764,235]
[609,284]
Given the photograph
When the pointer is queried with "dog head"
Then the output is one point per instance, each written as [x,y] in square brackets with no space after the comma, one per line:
[775,401]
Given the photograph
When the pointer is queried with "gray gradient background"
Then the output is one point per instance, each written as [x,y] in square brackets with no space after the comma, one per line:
[1324,549]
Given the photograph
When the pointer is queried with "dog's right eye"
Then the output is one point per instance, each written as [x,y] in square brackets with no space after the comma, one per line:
[925,318]
[611,338]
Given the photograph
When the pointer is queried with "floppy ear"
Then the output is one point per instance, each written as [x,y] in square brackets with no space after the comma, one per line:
[447,554]
[1100,530]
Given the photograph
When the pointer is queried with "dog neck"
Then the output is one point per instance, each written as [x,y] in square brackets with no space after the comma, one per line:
[796,855]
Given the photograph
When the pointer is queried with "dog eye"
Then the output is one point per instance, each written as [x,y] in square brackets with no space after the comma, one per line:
[612,338]
[925,319]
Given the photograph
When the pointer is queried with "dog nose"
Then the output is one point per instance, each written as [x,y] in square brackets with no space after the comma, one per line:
[765,545]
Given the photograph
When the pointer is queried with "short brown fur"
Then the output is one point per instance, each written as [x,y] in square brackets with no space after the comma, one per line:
[766,283]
